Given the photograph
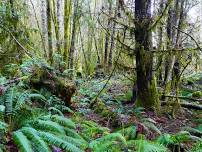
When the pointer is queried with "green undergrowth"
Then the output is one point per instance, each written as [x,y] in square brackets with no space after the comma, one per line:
[35,120]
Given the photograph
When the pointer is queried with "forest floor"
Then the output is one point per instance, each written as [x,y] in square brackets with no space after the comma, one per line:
[116,98]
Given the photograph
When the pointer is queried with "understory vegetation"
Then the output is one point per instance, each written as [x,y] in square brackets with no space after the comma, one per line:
[34,119]
[100,76]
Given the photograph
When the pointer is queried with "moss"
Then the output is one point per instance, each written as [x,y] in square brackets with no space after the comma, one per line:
[59,86]
[101,109]
[197,94]
[151,97]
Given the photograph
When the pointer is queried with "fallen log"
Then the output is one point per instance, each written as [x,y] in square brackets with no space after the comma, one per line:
[183,104]
[183,97]
[63,88]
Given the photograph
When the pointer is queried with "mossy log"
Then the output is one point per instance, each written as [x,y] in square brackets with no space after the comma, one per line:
[184,104]
[59,86]
[184,98]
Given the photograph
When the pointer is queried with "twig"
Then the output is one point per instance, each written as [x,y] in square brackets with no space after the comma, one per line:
[162,14]
[198,46]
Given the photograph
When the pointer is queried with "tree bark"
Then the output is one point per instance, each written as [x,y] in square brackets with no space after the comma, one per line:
[110,61]
[44,25]
[67,14]
[73,37]
[107,37]
[49,27]
[59,23]
[146,83]
[171,34]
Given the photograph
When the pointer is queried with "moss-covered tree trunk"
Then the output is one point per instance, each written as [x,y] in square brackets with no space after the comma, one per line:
[146,83]
[67,14]
[107,37]
[49,27]
[73,36]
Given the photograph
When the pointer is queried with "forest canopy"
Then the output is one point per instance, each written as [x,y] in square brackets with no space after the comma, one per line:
[100,75]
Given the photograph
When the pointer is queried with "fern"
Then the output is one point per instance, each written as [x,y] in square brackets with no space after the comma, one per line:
[149,124]
[75,141]
[197,147]
[63,108]
[9,100]
[22,142]
[165,139]
[37,96]
[63,121]
[58,142]
[129,133]
[21,101]
[72,133]
[47,125]
[39,143]
[3,126]
[112,138]
[146,146]
[194,131]
[54,110]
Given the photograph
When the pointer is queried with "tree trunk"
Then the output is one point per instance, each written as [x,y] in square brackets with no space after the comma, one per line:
[44,25]
[107,36]
[49,27]
[110,61]
[160,45]
[67,15]
[171,34]
[74,29]
[146,83]
[59,21]
[56,16]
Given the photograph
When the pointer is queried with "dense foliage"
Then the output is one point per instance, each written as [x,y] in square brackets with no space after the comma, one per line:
[100,76]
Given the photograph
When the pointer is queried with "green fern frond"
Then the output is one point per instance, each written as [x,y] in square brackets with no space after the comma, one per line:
[165,139]
[110,146]
[47,125]
[3,126]
[37,96]
[54,110]
[75,141]
[197,147]
[113,137]
[33,136]
[72,133]
[63,121]
[2,148]
[146,146]
[21,141]
[129,133]
[21,101]
[9,100]
[178,138]
[63,108]
[150,127]
[194,131]
[58,142]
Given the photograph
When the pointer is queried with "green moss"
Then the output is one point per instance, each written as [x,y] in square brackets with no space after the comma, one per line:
[151,96]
